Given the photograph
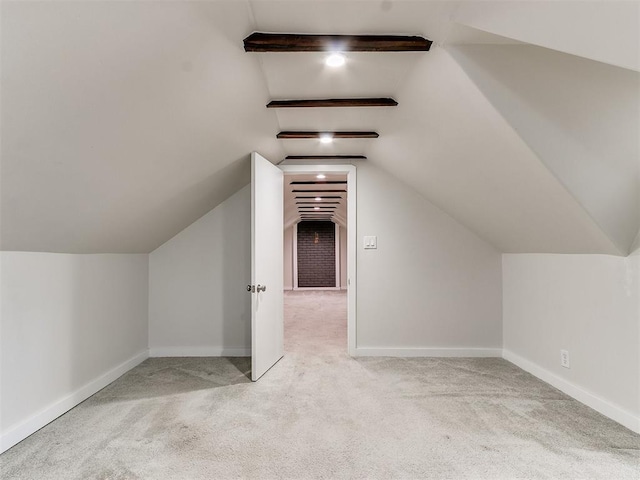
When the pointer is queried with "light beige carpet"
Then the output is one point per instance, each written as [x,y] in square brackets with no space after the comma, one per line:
[320,414]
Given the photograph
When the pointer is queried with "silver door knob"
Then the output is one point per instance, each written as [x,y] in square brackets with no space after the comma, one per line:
[261,288]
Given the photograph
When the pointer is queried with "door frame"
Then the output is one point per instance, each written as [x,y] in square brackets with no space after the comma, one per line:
[350,171]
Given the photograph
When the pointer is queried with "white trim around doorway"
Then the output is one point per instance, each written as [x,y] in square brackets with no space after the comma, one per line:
[294,249]
[337,252]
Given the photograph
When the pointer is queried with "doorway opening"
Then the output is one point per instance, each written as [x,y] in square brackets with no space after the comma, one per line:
[319,257]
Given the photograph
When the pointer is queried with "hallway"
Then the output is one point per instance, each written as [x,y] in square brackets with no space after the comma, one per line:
[315,322]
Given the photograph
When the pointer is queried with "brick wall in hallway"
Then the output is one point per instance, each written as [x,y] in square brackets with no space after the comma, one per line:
[316,254]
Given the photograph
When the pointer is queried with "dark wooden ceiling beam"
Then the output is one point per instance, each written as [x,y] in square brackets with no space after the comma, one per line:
[333,102]
[296,42]
[318,191]
[317,203]
[319,207]
[323,197]
[324,157]
[295,134]
[319,182]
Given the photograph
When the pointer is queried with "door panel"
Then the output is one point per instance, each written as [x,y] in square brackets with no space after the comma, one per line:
[267,312]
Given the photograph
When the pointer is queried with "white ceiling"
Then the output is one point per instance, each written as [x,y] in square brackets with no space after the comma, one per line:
[123,122]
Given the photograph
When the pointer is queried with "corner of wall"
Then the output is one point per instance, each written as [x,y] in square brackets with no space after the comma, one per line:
[27,427]
[590,399]
[588,305]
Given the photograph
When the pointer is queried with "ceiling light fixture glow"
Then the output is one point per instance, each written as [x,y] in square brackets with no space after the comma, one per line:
[316,208]
[335,60]
[321,176]
[326,138]
[318,199]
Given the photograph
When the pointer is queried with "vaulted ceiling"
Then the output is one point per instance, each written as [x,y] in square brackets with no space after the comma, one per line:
[306,197]
[123,122]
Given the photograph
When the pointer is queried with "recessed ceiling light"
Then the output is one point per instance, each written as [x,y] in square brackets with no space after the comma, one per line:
[335,60]
[326,138]
[316,208]
[321,176]
[318,199]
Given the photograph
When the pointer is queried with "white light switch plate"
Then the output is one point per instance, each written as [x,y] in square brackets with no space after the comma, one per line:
[371,241]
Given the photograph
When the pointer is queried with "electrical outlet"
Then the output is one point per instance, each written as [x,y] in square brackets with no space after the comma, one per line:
[564,358]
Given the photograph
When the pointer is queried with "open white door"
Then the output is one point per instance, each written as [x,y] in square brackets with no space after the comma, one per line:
[267,314]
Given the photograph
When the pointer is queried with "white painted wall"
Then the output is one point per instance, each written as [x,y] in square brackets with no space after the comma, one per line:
[588,305]
[198,303]
[431,283]
[70,325]
[288,258]
[635,248]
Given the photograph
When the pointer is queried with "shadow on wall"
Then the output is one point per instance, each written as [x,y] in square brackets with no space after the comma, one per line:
[236,273]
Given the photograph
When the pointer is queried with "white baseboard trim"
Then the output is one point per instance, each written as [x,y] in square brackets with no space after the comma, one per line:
[599,404]
[427,352]
[21,431]
[205,351]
